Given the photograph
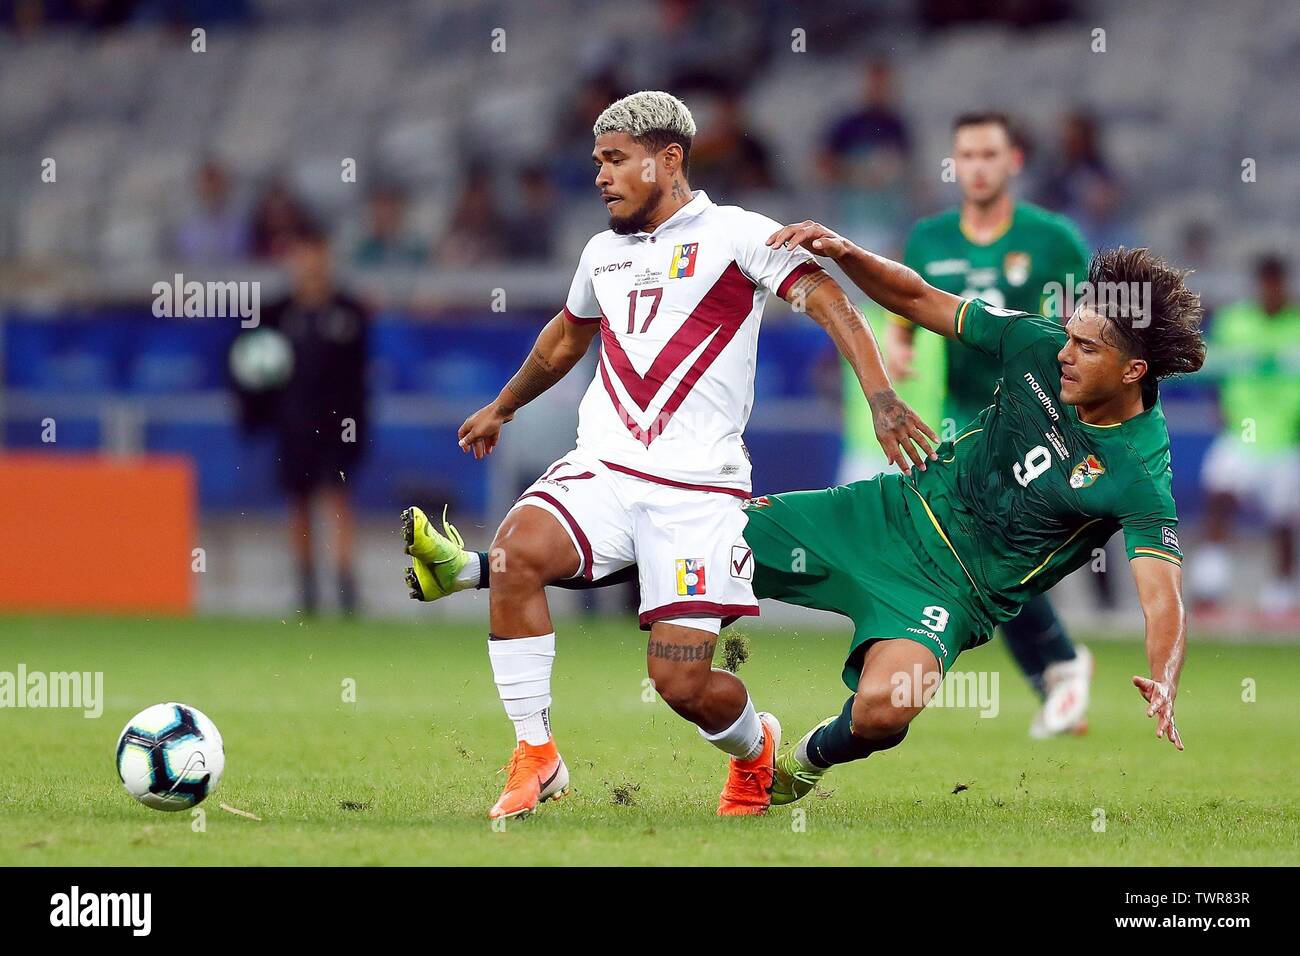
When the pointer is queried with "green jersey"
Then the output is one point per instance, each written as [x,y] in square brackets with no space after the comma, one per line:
[1028,491]
[1037,259]
[1256,357]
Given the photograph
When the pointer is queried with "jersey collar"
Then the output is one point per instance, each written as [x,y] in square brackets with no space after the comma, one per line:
[1151,413]
[1006,228]
[700,201]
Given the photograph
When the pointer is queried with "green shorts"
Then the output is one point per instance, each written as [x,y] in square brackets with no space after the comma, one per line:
[848,549]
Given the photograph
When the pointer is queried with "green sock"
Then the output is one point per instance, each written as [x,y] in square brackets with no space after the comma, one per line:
[835,743]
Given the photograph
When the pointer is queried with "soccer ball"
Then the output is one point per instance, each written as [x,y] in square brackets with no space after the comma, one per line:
[262,360]
[170,757]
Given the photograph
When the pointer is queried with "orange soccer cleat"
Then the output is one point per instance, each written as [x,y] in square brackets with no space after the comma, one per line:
[748,790]
[534,774]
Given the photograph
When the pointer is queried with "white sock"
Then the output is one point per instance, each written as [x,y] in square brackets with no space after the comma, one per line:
[471,574]
[801,755]
[743,739]
[522,669]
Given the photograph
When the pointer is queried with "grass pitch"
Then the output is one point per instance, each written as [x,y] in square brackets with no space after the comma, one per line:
[406,773]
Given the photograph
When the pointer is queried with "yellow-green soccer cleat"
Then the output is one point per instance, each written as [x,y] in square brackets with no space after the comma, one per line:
[437,557]
[793,780]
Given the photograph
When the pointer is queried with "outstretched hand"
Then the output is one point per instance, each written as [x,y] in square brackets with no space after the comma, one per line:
[1160,701]
[482,430]
[901,433]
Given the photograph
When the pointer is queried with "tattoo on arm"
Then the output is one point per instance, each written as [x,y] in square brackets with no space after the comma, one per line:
[890,411]
[801,290]
[841,319]
[672,651]
[847,327]
[534,377]
[845,314]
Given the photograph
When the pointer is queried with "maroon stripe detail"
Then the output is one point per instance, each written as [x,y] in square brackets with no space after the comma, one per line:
[584,545]
[577,318]
[734,492]
[640,434]
[723,308]
[561,464]
[797,273]
[716,345]
[728,612]
[722,311]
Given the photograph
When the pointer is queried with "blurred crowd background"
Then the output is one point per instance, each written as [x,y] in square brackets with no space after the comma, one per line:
[438,152]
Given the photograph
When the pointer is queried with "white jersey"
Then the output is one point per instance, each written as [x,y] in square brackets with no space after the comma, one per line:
[679,312]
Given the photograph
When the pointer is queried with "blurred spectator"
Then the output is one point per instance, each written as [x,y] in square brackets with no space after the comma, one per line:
[572,170]
[530,236]
[726,158]
[31,15]
[28,17]
[214,231]
[1212,278]
[319,416]
[386,241]
[702,43]
[1080,183]
[1255,354]
[1077,161]
[278,218]
[864,159]
[1103,216]
[477,231]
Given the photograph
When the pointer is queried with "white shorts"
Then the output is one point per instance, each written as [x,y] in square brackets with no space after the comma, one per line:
[1270,479]
[688,545]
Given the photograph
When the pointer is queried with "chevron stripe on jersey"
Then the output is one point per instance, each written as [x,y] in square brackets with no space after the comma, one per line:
[679,312]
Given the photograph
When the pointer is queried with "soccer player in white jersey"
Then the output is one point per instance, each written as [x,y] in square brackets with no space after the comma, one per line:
[675,289]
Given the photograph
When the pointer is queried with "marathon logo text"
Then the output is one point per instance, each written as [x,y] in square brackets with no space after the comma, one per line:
[1044,399]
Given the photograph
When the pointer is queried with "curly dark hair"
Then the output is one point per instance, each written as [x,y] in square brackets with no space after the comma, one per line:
[1162,325]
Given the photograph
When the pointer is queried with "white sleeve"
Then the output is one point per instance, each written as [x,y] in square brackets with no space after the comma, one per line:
[774,269]
[582,305]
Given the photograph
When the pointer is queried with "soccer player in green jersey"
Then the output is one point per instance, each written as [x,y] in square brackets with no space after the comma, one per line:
[1015,255]
[926,564]
[1257,455]
[1073,449]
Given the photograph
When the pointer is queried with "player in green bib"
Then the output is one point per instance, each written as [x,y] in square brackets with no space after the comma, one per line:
[1256,457]
[1013,255]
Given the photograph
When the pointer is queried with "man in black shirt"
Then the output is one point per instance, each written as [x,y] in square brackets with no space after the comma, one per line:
[318,415]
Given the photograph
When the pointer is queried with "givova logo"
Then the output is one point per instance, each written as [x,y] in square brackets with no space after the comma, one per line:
[74,908]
